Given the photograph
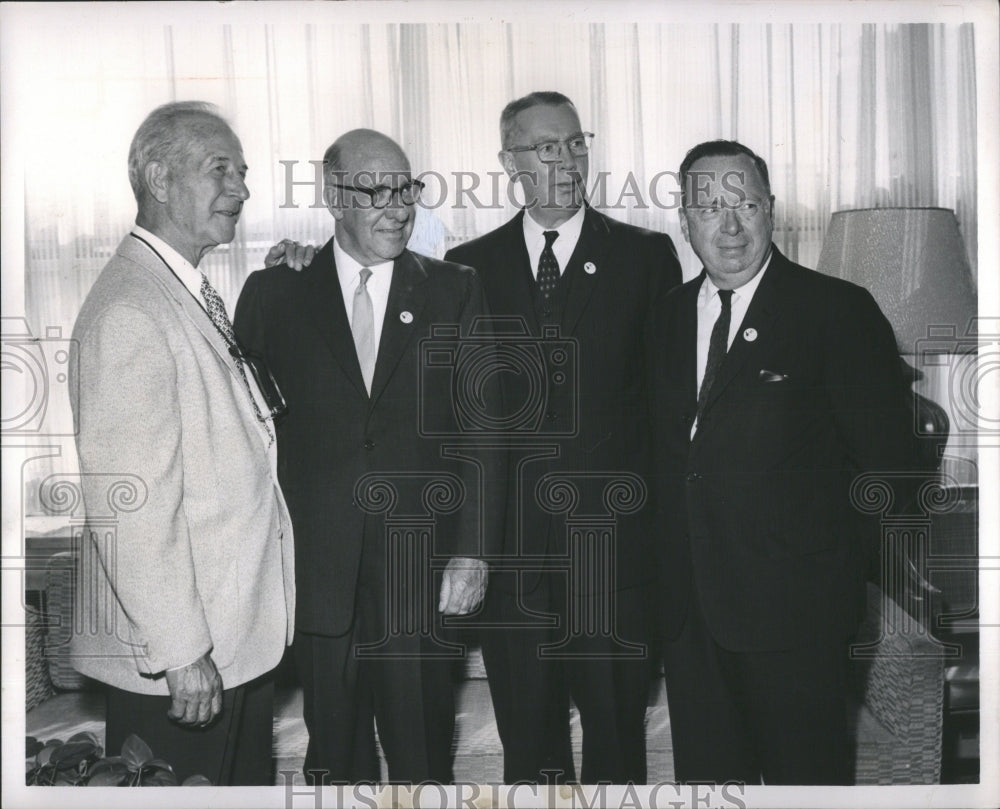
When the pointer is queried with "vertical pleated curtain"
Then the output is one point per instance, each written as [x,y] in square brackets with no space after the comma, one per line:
[853,115]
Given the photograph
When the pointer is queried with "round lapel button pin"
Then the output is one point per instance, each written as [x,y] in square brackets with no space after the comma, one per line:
[405,317]
[590,268]
[750,335]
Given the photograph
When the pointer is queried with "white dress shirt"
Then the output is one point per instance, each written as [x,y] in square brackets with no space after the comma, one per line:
[709,308]
[349,275]
[562,248]
[189,275]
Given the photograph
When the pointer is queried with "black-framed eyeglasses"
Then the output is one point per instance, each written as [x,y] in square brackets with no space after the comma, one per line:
[381,195]
[266,383]
[548,150]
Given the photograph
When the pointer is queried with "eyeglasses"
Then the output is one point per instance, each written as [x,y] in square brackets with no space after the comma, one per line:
[548,150]
[266,383]
[381,195]
[745,211]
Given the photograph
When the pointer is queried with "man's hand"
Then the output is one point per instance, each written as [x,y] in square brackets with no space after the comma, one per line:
[196,693]
[463,585]
[295,255]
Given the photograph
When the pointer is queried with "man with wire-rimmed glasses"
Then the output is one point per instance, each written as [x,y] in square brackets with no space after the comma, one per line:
[560,264]
[343,338]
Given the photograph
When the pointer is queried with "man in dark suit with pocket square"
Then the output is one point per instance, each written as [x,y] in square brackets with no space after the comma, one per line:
[775,386]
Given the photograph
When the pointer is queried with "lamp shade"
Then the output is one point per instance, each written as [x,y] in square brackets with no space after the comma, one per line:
[913,262]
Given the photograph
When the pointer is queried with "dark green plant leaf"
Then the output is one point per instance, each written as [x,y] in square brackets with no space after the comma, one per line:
[32,746]
[136,752]
[108,773]
[160,763]
[70,755]
[67,778]
[157,777]
[85,736]
[196,781]
[45,753]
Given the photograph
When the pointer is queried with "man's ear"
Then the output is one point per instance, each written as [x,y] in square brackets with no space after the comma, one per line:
[331,196]
[507,161]
[682,215]
[156,176]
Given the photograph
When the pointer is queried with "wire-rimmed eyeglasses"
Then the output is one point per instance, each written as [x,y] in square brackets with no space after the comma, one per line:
[548,150]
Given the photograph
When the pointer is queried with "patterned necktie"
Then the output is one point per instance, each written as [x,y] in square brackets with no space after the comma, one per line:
[718,345]
[217,312]
[363,329]
[548,267]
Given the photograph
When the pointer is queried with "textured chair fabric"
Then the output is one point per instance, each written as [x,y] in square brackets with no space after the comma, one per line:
[59,596]
[898,672]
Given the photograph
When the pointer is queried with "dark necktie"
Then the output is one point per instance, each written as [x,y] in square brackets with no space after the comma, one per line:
[217,312]
[718,345]
[548,267]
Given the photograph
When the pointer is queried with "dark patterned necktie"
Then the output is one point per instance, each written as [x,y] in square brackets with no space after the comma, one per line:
[548,267]
[217,312]
[718,345]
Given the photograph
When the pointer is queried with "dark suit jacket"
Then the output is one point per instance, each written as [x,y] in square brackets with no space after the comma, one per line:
[605,320]
[334,434]
[755,511]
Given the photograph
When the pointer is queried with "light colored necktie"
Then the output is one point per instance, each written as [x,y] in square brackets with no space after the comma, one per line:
[363,328]
[217,312]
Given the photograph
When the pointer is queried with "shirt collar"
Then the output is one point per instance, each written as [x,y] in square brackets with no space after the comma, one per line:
[189,275]
[708,287]
[569,231]
[348,267]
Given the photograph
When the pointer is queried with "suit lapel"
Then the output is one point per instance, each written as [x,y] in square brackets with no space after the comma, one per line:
[687,343]
[325,302]
[407,296]
[516,294]
[137,250]
[760,318]
[590,252]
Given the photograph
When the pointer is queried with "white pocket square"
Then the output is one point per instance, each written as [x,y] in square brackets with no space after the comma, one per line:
[771,376]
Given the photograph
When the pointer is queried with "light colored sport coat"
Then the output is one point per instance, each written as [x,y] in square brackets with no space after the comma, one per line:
[200,558]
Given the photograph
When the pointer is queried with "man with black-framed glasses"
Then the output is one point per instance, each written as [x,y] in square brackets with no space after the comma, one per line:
[343,338]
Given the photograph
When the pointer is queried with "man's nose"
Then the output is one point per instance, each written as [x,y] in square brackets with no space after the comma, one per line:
[567,159]
[397,210]
[730,221]
[238,187]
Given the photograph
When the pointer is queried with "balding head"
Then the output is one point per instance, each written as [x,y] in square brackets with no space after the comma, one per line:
[366,159]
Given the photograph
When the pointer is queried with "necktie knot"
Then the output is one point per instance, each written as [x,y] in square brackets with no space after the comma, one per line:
[365,275]
[726,297]
[550,236]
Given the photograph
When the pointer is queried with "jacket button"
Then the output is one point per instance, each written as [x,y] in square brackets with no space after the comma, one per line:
[546,313]
[369,444]
[693,477]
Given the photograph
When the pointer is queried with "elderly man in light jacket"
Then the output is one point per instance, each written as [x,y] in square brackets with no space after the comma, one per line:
[188,600]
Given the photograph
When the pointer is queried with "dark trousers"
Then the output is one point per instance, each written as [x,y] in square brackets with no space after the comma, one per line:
[235,750]
[405,687]
[773,717]
[607,678]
